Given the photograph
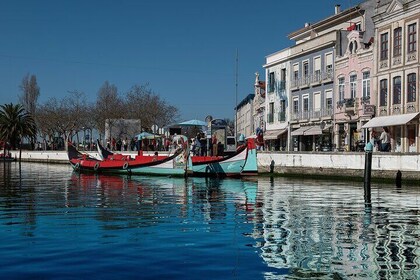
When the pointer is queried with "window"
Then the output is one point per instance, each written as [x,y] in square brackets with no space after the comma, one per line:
[282,83]
[317,68]
[328,63]
[341,82]
[295,106]
[397,41]
[282,113]
[383,92]
[317,102]
[366,84]
[328,103]
[306,104]
[412,34]
[305,70]
[411,87]
[296,72]
[328,99]
[396,90]
[271,82]
[271,112]
[353,86]
[384,46]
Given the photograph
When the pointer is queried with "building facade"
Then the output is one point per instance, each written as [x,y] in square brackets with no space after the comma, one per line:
[276,133]
[396,61]
[244,116]
[355,105]
[312,78]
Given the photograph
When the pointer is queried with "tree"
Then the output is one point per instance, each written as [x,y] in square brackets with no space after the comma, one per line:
[15,124]
[64,117]
[142,103]
[30,93]
[109,105]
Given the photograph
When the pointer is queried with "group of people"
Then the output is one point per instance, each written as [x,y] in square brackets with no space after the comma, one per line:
[199,145]
[383,142]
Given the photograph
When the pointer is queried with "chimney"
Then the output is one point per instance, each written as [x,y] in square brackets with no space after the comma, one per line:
[337,9]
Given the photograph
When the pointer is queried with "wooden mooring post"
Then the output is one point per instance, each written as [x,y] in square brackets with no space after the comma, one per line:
[368,172]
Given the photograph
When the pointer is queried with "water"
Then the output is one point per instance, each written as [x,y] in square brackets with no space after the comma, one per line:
[55,224]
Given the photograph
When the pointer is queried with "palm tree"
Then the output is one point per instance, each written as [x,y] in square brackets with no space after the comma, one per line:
[15,124]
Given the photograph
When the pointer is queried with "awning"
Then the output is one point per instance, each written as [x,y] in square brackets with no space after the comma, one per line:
[316,130]
[300,131]
[274,134]
[390,120]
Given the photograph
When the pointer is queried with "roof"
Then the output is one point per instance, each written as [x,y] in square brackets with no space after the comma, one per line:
[246,100]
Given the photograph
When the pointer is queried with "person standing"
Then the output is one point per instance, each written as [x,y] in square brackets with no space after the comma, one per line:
[214,144]
[385,140]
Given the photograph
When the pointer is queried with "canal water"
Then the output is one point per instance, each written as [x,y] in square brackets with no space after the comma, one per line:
[56,224]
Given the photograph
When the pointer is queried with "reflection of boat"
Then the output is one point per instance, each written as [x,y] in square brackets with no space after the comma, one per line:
[7,158]
[241,163]
[176,164]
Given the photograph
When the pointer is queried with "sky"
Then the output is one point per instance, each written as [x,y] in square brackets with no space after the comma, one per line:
[189,52]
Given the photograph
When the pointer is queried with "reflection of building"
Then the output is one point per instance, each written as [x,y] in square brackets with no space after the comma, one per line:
[397,71]
[314,229]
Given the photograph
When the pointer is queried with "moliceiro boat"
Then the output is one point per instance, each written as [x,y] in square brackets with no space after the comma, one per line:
[242,163]
[177,164]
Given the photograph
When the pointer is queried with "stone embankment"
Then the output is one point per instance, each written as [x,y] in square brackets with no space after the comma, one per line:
[317,164]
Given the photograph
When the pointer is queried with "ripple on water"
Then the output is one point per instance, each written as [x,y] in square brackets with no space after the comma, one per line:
[56,224]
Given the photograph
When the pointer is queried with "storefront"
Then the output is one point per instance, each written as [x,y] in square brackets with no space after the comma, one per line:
[276,140]
[312,138]
[403,130]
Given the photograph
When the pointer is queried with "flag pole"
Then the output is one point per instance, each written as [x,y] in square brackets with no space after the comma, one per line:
[236,97]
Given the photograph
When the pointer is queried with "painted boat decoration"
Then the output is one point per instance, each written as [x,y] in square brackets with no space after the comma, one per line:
[241,163]
[177,164]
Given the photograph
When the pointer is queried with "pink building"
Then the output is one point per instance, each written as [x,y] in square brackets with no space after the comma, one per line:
[353,92]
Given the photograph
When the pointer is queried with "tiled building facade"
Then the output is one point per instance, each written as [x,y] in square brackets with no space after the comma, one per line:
[325,92]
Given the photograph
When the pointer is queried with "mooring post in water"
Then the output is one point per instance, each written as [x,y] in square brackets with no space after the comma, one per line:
[368,171]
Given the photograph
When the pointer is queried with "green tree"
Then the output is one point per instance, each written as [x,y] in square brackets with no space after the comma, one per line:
[15,124]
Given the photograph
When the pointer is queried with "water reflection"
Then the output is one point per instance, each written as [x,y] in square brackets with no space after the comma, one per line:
[327,229]
[278,227]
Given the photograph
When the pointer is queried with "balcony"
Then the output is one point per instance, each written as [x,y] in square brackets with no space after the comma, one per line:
[349,106]
[323,113]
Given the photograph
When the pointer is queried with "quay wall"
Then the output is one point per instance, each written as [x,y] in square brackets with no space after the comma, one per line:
[333,164]
[349,164]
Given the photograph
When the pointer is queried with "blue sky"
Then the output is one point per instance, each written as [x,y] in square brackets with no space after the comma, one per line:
[185,50]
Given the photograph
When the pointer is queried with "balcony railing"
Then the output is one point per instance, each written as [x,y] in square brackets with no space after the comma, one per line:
[317,77]
[326,112]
